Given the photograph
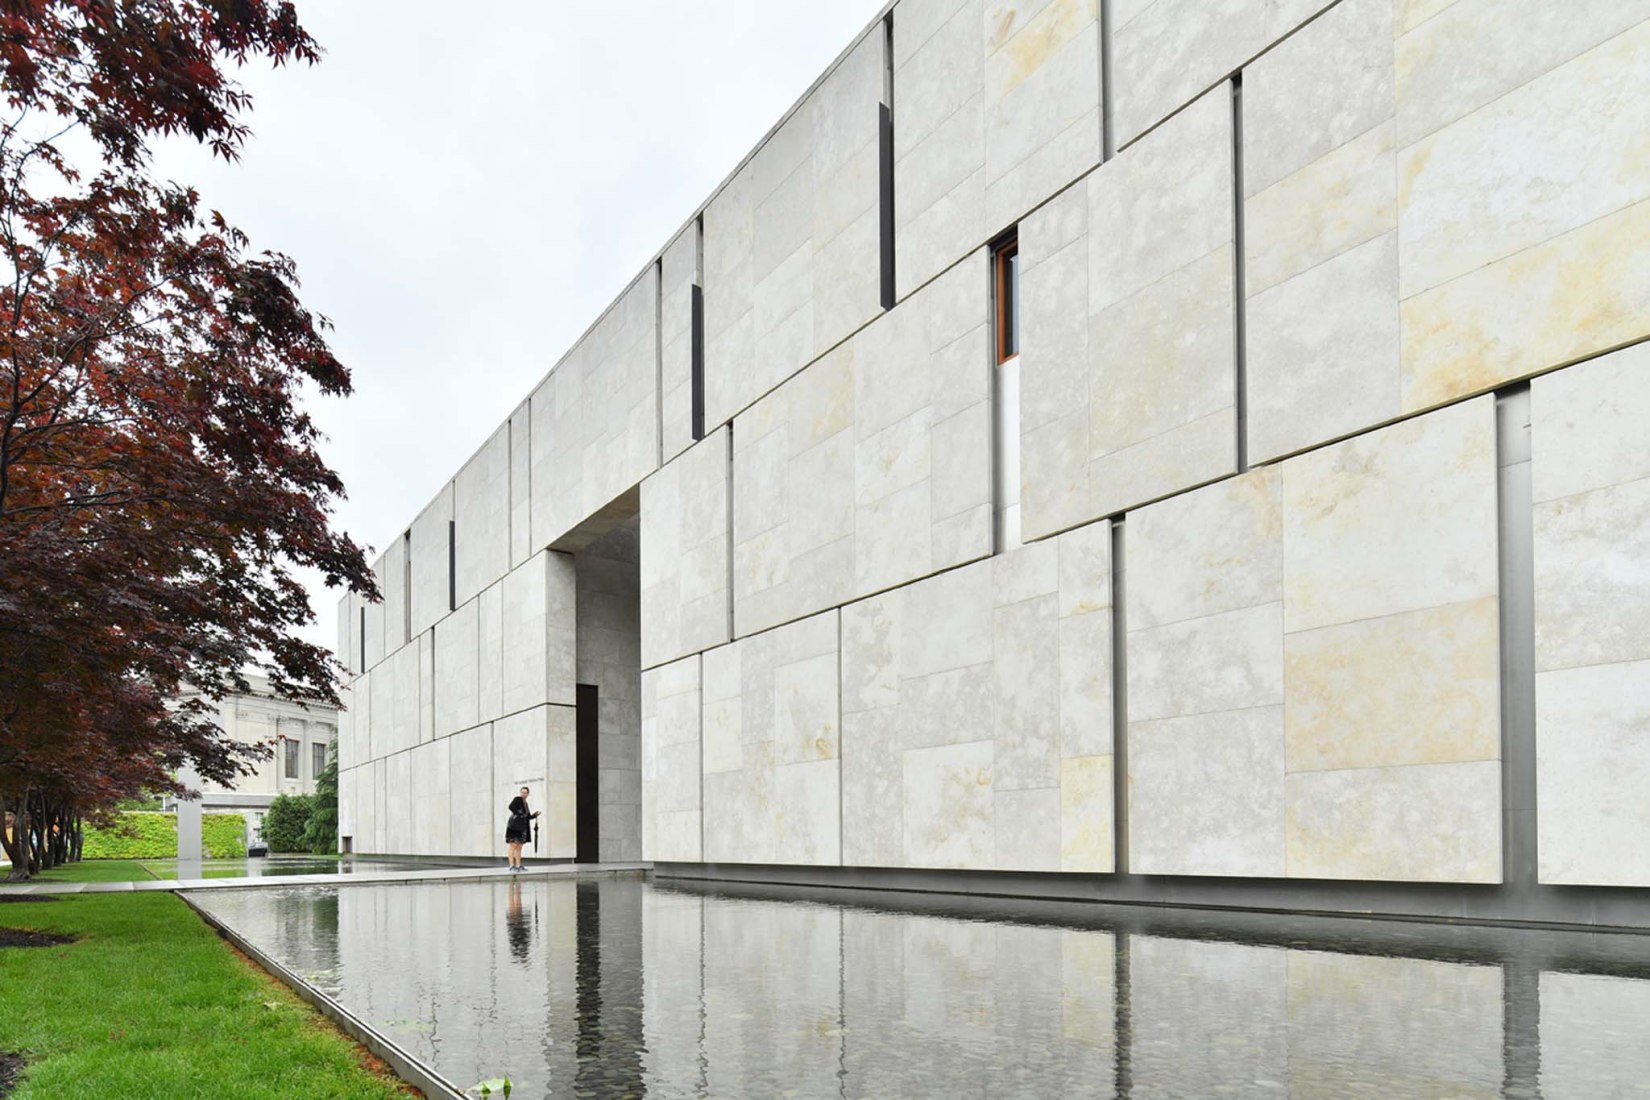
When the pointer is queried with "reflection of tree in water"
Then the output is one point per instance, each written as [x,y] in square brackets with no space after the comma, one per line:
[518,926]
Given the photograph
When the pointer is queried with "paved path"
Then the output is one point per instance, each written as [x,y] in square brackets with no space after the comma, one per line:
[352,878]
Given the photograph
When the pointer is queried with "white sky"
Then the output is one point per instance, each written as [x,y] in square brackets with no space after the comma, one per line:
[464,193]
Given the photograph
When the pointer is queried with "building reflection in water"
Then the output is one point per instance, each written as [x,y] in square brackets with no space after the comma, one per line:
[613,987]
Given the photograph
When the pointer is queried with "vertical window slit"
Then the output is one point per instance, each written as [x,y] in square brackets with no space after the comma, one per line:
[696,336]
[452,565]
[1240,395]
[885,162]
[1005,392]
[406,586]
[1119,701]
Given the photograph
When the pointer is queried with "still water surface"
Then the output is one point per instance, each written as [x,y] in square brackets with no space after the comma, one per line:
[620,987]
[268,866]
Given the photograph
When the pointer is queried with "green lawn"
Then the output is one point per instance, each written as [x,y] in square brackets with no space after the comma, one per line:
[151,1003]
[96,870]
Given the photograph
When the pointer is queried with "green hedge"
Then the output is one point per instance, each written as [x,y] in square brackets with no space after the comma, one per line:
[223,835]
[143,835]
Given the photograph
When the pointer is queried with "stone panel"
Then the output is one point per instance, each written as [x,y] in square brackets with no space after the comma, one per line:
[1206,681]
[1127,356]
[671,762]
[977,714]
[1395,520]
[684,526]
[1391,652]
[372,619]
[771,774]
[595,430]
[348,649]
[791,258]
[679,274]
[490,669]
[471,806]
[426,686]
[846,478]
[537,633]
[431,594]
[432,799]
[392,581]
[521,495]
[1546,266]
[1314,658]
[1591,487]
[457,656]
[1321,222]
[400,714]
[1166,52]
[396,805]
[997,107]
[536,749]
[1434,823]
[346,728]
[481,510]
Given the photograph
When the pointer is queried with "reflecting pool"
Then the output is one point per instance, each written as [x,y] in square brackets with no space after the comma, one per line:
[616,987]
[265,866]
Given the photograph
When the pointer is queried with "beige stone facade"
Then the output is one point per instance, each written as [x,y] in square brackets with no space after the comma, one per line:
[1328,561]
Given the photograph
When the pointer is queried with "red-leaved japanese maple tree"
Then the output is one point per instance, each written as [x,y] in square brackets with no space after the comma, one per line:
[159,479]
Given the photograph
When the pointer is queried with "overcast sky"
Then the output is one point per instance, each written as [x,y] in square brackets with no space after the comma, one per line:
[464,193]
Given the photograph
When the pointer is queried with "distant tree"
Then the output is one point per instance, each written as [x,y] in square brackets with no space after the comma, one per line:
[321,834]
[159,481]
[286,821]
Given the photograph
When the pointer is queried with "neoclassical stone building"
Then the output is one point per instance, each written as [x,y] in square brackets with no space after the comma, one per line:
[1166,451]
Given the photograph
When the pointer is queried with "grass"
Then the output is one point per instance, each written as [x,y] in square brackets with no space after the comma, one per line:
[151,1003]
[95,870]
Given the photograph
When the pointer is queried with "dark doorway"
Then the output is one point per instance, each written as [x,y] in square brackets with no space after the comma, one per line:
[587,724]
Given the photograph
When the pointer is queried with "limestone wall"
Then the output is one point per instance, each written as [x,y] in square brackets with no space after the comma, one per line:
[1332,478]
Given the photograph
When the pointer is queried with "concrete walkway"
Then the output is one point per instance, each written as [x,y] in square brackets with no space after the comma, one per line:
[352,878]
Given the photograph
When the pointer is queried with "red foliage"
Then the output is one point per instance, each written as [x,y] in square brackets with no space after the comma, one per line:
[158,475]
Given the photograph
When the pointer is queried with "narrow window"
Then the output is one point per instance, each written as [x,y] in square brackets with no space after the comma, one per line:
[289,757]
[362,634]
[885,163]
[1005,299]
[452,565]
[318,758]
[697,352]
[1006,290]
[406,586]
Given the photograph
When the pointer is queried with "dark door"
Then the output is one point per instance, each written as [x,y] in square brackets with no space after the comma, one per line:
[587,725]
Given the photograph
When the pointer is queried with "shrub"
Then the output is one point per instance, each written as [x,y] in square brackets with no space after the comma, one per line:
[140,834]
[285,821]
[134,835]
[223,836]
[321,834]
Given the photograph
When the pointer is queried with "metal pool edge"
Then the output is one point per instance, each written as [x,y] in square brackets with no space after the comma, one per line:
[406,1067]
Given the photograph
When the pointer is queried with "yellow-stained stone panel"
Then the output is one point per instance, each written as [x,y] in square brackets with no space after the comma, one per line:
[1417,823]
[1420,687]
[1575,295]
[1086,814]
[1398,519]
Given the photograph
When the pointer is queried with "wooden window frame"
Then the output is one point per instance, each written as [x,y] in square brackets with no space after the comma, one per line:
[1004,251]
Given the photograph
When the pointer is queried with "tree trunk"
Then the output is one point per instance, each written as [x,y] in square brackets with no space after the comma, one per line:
[17,843]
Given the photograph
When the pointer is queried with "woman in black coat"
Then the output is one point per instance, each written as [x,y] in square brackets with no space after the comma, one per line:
[520,829]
